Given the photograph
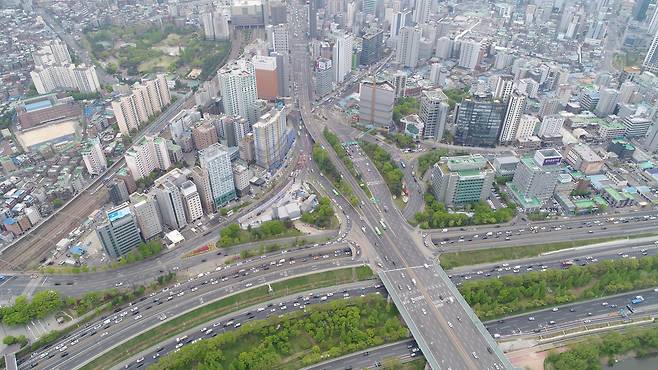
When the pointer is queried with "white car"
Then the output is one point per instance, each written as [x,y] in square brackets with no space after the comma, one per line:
[138,317]
[555,309]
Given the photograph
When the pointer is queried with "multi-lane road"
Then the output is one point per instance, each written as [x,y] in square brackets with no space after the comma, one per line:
[463,344]
[103,335]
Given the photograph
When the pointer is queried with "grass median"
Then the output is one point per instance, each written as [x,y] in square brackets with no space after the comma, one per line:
[224,306]
[468,258]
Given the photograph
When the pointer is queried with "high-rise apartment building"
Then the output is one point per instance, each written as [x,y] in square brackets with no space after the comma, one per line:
[52,52]
[277,37]
[515,109]
[551,126]
[478,121]
[651,140]
[503,87]
[216,160]
[607,102]
[376,101]
[93,156]
[147,98]
[247,148]
[237,84]
[147,155]
[400,20]
[270,139]
[215,25]
[408,46]
[526,127]
[145,208]
[422,11]
[470,54]
[460,180]
[48,78]
[168,193]
[342,56]
[433,112]
[204,135]
[120,233]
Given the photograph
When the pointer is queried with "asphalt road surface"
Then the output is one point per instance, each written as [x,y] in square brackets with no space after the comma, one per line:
[372,358]
[103,335]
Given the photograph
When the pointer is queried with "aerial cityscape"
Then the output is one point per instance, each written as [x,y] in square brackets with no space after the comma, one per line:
[329,184]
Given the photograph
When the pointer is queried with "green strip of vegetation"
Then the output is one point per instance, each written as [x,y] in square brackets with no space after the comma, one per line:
[345,158]
[643,342]
[233,235]
[224,306]
[436,216]
[321,158]
[456,95]
[402,141]
[297,339]
[428,159]
[322,216]
[451,260]
[512,294]
[404,107]
[385,165]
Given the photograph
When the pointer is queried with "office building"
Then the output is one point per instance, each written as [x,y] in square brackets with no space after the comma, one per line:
[201,179]
[651,140]
[433,112]
[536,177]
[192,201]
[611,130]
[118,192]
[422,11]
[470,53]
[93,156]
[457,181]
[270,139]
[408,44]
[376,102]
[237,85]
[607,102]
[582,158]
[589,98]
[478,121]
[515,109]
[204,135]
[324,76]
[247,13]
[120,233]
[267,81]
[551,126]
[368,7]
[636,126]
[526,127]
[371,47]
[170,198]
[215,25]
[282,73]
[277,36]
[312,18]
[342,56]
[505,166]
[627,91]
[503,87]
[145,208]
[146,99]
[241,177]
[216,160]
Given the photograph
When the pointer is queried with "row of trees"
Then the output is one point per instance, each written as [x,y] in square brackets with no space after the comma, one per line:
[345,158]
[511,294]
[386,166]
[435,215]
[233,234]
[297,339]
[428,159]
[321,158]
[322,216]
[588,355]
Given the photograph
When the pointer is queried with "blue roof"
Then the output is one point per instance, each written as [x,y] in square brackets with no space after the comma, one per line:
[9,221]
[119,213]
[38,105]
[77,249]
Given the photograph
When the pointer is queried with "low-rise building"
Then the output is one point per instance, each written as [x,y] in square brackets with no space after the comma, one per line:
[582,158]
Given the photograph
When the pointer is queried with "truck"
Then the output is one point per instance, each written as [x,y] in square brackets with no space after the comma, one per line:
[637,300]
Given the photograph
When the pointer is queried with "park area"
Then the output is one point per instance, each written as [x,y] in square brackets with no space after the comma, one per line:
[135,50]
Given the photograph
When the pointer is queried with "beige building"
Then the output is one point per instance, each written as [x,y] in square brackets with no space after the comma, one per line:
[146,99]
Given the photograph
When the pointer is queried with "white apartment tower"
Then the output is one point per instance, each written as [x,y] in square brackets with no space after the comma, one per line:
[408,46]
[192,201]
[237,84]
[93,156]
[515,109]
[145,100]
[422,11]
[145,208]
[277,36]
[270,138]
[433,112]
[469,54]
[216,160]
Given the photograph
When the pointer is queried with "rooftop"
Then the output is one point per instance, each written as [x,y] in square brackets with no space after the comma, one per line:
[118,213]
